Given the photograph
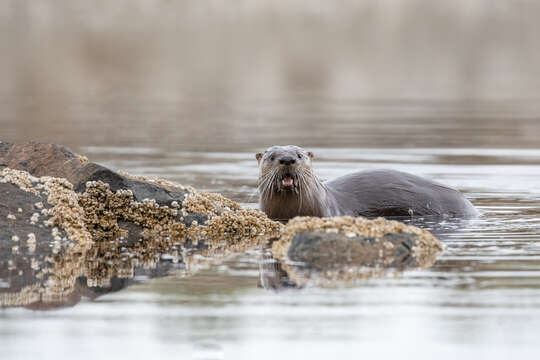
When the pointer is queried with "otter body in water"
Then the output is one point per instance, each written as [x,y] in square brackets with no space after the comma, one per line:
[288,187]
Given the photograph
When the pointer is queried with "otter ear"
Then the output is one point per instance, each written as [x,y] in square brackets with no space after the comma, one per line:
[258,156]
[310,154]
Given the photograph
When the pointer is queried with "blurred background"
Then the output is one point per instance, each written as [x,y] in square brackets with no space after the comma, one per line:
[246,74]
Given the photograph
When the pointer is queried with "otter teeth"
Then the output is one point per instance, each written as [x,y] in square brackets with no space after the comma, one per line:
[287,180]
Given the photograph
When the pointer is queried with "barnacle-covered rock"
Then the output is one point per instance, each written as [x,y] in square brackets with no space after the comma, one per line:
[41,231]
[338,250]
[57,245]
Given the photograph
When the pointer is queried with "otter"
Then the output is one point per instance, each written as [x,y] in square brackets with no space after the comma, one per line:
[288,187]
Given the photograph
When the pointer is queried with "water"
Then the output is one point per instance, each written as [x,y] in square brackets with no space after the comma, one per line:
[480,299]
[191,92]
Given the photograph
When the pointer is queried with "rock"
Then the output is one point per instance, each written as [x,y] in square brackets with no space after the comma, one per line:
[161,194]
[42,231]
[328,250]
[24,245]
[303,234]
[40,159]
[341,250]
[57,245]
[70,228]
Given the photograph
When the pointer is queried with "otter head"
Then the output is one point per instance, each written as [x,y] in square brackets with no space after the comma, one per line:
[286,182]
[281,167]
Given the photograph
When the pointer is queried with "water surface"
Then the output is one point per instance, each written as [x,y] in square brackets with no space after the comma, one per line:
[481,298]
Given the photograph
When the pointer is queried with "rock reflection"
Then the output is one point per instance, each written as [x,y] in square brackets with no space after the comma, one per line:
[109,266]
[276,274]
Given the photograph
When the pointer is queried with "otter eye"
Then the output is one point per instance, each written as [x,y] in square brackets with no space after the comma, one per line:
[299,156]
[272,158]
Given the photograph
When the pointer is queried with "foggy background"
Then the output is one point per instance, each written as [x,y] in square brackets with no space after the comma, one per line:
[250,73]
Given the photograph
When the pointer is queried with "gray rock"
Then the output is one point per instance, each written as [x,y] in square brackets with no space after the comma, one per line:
[21,259]
[39,159]
[318,250]
[25,267]
[141,190]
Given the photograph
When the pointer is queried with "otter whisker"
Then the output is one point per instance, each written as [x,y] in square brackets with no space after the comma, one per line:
[266,184]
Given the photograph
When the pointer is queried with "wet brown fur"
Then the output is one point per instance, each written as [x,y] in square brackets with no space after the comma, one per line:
[371,193]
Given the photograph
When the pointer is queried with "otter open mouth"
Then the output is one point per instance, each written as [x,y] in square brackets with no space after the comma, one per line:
[289,181]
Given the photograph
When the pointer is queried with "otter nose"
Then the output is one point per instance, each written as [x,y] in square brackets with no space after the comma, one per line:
[287,160]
